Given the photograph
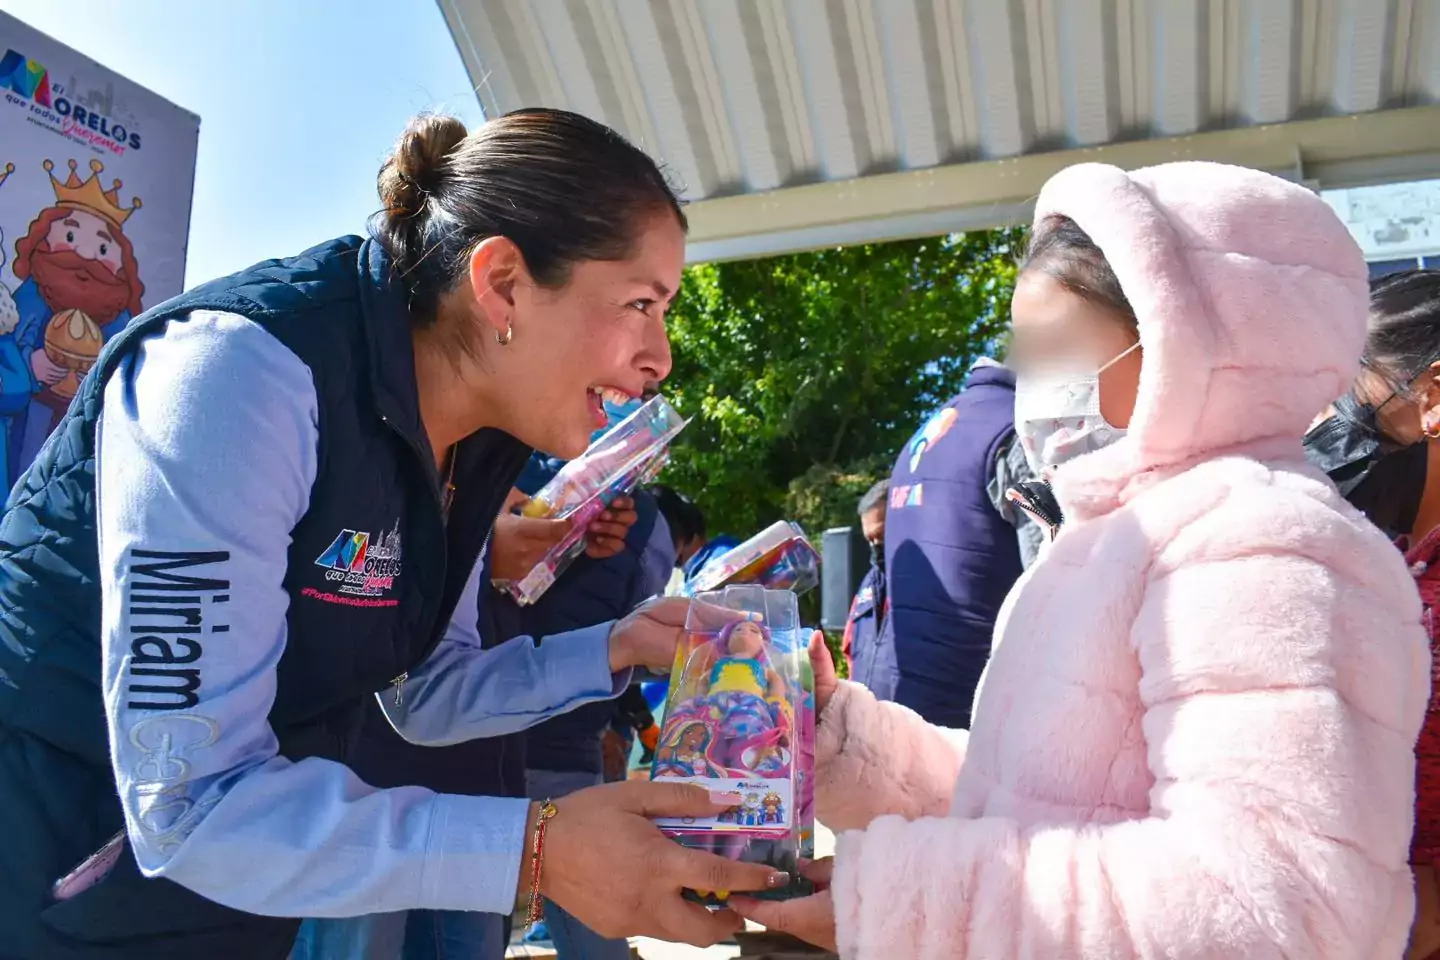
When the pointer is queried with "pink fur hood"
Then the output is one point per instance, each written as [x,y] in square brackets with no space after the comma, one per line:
[1194,737]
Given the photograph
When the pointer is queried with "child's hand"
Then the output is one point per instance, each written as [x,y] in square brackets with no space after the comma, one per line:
[812,919]
[607,532]
[826,681]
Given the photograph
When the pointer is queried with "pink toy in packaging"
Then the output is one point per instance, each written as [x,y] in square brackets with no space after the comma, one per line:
[740,718]
[628,456]
[778,558]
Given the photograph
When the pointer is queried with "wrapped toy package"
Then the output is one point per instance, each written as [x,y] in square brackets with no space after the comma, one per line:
[740,719]
[628,456]
[778,558]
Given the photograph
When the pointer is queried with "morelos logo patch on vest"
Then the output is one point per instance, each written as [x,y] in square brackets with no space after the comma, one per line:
[361,566]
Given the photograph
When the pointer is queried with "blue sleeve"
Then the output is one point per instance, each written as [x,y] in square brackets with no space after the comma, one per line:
[657,559]
[206,453]
[464,692]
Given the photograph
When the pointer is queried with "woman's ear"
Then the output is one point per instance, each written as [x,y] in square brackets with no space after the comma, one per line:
[497,268]
[1428,396]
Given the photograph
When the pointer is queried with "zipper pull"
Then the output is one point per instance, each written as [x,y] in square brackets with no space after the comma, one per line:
[399,684]
[1037,500]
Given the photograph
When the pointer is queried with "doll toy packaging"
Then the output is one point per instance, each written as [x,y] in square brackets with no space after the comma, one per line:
[778,558]
[626,457]
[740,718]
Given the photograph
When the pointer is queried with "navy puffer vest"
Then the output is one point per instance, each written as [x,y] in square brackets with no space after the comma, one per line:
[336,309]
[950,558]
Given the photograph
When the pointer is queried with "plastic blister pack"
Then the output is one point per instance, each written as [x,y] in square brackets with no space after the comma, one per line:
[628,456]
[740,718]
[778,558]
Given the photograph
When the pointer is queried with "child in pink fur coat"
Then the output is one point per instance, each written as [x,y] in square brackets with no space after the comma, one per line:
[1194,737]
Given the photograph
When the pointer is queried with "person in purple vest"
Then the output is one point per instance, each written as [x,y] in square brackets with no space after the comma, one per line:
[867,609]
[950,556]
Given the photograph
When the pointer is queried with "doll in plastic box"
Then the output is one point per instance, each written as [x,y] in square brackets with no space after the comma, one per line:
[744,666]
[741,703]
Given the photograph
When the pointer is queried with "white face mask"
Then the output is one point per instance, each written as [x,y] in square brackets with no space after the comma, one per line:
[1057,417]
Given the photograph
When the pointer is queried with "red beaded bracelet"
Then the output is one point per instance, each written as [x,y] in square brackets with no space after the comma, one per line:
[536,913]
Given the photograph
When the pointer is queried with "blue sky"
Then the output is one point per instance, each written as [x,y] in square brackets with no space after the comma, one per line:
[288,153]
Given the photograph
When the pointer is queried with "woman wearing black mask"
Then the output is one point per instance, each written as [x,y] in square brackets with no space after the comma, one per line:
[1372,444]
[1376,444]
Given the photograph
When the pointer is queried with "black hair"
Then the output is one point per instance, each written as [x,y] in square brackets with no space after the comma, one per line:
[1404,337]
[685,520]
[1063,251]
[874,497]
[561,187]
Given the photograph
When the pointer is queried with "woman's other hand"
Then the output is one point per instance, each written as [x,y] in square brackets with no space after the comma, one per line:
[823,664]
[606,535]
[614,871]
[812,919]
[649,635]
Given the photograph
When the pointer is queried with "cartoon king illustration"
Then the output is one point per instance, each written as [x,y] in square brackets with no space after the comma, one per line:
[80,286]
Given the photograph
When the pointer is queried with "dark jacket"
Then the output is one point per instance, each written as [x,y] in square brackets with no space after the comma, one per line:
[336,308]
[950,557]
[589,592]
[862,629]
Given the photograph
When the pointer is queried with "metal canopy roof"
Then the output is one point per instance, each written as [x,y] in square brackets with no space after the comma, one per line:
[805,123]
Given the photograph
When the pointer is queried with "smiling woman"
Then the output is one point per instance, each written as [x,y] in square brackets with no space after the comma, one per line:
[539,278]
[270,501]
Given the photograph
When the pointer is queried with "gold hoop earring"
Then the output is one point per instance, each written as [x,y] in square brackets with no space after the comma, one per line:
[1431,434]
[505,338]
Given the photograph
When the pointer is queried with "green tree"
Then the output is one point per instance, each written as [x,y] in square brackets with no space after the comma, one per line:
[804,374]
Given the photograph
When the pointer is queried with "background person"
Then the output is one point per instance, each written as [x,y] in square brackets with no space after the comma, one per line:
[564,755]
[950,557]
[867,609]
[1378,445]
[694,548]
[1195,735]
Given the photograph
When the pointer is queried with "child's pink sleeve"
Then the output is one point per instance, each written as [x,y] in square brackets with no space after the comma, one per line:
[874,758]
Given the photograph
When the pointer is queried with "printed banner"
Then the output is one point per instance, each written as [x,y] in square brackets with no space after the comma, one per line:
[96,175]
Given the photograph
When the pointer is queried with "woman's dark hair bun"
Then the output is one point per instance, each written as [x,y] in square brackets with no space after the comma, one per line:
[561,187]
[413,169]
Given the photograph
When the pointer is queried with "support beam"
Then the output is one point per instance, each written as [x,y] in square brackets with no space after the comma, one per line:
[1382,147]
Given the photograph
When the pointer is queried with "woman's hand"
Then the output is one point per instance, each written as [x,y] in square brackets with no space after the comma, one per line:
[649,635]
[812,919]
[614,871]
[606,534]
[823,665]
[518,543]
